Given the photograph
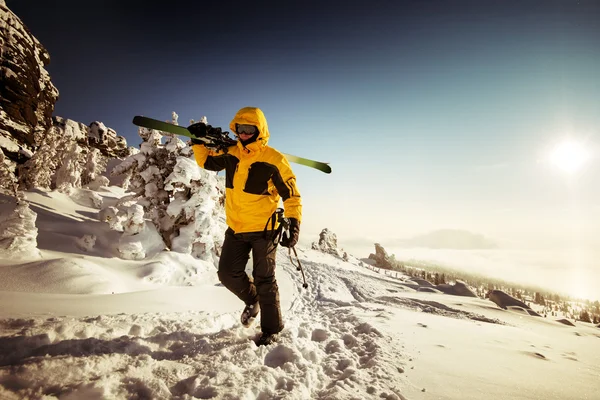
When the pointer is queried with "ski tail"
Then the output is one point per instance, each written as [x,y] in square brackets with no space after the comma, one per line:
[321,166]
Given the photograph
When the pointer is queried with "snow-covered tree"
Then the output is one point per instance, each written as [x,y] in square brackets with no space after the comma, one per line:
[148,170]
[95,165]
[194,209]
[18,233]
[178,197]
[8,180]
[68,175]
[38,171]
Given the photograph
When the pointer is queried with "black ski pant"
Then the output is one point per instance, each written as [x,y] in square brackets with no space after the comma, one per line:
[264,289]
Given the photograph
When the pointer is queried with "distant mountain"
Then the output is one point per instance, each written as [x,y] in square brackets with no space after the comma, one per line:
[447,239]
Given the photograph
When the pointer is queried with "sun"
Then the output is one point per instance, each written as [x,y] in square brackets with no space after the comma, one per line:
[569,156]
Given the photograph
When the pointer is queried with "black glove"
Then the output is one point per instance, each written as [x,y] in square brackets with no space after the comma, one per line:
[294,232]
[198,130]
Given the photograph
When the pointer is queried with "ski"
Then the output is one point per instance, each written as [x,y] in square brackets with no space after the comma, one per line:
[158,125]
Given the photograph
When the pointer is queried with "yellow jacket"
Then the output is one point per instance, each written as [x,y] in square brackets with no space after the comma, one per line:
[256,177]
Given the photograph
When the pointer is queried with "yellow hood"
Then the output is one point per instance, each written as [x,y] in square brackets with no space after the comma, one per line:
[252,116]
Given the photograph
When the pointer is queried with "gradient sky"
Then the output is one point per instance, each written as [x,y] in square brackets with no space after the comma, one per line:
[433,114]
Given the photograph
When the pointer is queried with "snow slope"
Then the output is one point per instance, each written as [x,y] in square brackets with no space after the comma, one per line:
[80,323]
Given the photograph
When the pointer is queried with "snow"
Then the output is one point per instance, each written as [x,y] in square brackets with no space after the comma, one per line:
[80,322]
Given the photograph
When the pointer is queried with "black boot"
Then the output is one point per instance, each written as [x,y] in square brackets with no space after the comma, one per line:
[266,339]
[249,314]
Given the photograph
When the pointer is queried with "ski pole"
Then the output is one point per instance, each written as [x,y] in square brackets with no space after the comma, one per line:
[299,266]
[284,225]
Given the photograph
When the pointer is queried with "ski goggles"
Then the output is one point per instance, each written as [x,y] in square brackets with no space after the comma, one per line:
[246,129]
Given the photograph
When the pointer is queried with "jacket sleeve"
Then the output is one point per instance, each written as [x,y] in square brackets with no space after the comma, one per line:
[285,183]
[209,159]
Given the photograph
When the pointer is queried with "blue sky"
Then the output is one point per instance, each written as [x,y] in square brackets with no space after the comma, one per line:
[433,114]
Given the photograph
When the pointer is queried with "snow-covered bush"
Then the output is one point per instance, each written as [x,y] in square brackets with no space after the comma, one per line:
[140,239]
[113,217]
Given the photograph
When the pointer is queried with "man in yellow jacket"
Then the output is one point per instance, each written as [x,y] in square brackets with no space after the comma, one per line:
[256,177]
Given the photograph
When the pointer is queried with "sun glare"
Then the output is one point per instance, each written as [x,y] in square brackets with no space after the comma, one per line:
[569,156]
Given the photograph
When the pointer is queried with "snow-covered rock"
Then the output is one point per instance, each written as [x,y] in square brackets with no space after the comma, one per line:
[328,244]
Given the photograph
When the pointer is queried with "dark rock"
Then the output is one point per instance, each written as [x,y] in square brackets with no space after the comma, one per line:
[458,289]
[504,300]
[565,321]
[421,282]
[382,260]
[532,313]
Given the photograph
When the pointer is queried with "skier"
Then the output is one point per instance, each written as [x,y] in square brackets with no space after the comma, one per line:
[256,177]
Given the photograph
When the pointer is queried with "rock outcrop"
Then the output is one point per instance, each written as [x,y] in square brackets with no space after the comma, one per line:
[458,289]
[328,244]
[106,140]
[27,99]
[96,135]
[504,300]
[27,96]
[382,260]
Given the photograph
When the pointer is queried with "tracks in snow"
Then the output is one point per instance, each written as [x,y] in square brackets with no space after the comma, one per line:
[328,350]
